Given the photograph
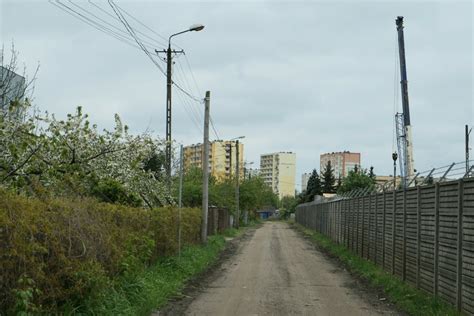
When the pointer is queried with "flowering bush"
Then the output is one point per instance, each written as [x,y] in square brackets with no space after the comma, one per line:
[40,154]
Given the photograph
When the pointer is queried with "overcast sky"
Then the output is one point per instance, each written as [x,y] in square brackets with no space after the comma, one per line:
[303,76]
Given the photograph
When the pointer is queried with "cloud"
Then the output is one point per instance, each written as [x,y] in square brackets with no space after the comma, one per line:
[308,77]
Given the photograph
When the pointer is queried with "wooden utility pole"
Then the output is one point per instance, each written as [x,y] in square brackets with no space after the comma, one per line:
[205,170]
[237,165]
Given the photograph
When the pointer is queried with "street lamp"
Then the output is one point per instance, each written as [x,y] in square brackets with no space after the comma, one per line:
[169,82]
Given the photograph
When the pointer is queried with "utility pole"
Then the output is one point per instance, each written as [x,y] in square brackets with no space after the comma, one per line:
[169,85]
[205,171]
[237,165]
[180,197]
[468,131]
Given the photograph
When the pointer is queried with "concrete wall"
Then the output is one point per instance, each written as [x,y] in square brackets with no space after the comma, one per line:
[423,235]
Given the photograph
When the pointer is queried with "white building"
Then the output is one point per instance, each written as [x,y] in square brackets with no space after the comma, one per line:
[278,171]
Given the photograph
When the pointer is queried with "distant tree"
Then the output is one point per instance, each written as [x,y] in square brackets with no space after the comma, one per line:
[288,205]
[314,187]
[328,179]
[357,179]
[371,173]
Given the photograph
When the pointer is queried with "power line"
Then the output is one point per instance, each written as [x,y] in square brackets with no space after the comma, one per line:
[214,128]
[92,23]
[134,36]
[102,20]
[138,31]
[144,25]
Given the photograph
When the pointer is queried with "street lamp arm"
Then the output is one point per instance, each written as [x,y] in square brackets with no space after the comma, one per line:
[169,39]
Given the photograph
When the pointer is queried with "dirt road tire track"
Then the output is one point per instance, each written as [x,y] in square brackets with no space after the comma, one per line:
[275,271]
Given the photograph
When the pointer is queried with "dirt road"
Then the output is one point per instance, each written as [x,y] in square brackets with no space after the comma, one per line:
[277,272]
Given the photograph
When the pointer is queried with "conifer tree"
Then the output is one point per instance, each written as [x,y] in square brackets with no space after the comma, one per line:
[329,180]
[314,186]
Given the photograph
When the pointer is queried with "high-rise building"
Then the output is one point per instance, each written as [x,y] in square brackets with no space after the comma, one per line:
[278,172]
[222,158]
[304,181]
[341,162]
[12,87]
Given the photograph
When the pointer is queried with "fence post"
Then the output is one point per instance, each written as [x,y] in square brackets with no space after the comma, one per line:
[383,227]
[357,225]
[363,228]
[418,235]
[436,241]
[369,230]
[347,215]
[404,254]
[394,231]
[460,244]
[352,224]
[376,227]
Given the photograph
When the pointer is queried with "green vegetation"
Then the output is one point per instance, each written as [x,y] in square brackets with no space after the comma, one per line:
[288,206]
[59,253]
[358,179]
[141,293]
[313,188]
[254,194]
[328,181]
[407,298]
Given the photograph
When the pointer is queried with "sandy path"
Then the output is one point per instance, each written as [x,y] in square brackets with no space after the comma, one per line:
[277,272]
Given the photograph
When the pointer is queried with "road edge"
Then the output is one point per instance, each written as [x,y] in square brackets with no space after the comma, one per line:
[178,304]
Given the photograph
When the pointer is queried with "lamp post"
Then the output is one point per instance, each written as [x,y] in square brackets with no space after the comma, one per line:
[169,82]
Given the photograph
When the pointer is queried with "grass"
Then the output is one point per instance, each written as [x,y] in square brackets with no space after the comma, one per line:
[153,287]
[149,290]
[404,296]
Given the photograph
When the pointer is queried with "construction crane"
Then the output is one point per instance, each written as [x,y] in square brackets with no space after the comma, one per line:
[402,120]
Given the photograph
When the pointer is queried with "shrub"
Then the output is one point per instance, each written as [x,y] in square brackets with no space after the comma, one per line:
[58,252]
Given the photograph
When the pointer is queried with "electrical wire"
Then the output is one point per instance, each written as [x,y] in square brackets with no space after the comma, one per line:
[135,41]
[92,23]
[116,19]
[133,34]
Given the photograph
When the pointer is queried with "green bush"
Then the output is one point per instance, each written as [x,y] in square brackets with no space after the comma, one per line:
[58,252]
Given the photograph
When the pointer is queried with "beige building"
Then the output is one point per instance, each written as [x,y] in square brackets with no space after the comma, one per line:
[222,158]
[278,171]
[341,162]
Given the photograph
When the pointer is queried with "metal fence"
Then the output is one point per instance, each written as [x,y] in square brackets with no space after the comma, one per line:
[424,235]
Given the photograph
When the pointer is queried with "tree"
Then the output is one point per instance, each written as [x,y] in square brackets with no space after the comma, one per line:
[357,179]
[371,173]
[313,188]
[288,205]
[328,181]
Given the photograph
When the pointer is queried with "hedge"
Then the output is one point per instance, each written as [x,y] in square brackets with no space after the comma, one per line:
[60,252]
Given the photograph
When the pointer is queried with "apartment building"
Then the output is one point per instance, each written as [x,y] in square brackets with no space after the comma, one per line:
[304,181]
[341,162]
[222,158]
[278,172]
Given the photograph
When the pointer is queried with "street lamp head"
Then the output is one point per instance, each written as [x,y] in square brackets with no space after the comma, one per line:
[196,27]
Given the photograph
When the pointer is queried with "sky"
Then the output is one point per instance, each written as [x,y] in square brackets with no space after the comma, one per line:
[304,76]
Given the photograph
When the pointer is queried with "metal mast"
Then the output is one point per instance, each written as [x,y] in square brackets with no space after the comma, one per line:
[405,145]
